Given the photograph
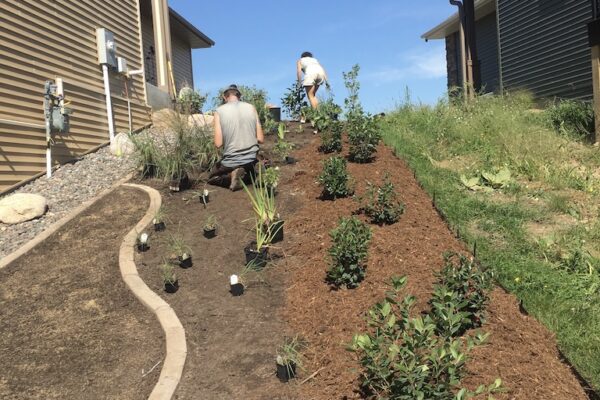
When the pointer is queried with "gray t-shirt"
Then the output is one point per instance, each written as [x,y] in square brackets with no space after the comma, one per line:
[238,124]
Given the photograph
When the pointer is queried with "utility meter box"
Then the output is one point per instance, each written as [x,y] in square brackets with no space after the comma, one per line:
[107,47]
[121,65]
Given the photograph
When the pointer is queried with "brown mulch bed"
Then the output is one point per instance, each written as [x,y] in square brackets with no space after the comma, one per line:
[71,329]
[520,350]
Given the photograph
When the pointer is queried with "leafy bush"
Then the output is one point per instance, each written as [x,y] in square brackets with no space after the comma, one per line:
[190,101]
[571,117]
[293,100]
[331,139]
[404,359]
[282,148]
[335,179]
[364,136]
[352,102]
[381,203]
[348,252]
[468,286]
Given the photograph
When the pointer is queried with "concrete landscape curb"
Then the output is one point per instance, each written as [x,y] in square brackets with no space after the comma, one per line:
[174,333]
[15,255]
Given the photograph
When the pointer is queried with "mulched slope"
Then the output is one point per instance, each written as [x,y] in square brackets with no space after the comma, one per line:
[70,328]
[520,351]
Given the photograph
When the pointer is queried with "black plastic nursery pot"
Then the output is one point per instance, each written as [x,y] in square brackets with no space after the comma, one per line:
[177,185]
[204,198]
[142,247]
[290,160]
[210,233]
[237,289]
[257,258]
[171,287]
[185,263]
[160,226]
[276,229]
[286,372]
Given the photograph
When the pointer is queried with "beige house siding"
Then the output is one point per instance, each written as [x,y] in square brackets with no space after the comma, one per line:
[182,63]
[181,53]
[44,39]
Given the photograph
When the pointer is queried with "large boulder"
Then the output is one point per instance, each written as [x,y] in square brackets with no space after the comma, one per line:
[122,145]
[21,207]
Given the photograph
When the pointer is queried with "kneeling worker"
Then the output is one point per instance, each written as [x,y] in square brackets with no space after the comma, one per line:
[238,131]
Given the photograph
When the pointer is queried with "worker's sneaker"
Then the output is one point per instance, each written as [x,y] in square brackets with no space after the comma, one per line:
[236,178]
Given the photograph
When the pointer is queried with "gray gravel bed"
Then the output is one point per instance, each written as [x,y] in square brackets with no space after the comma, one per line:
[69,187]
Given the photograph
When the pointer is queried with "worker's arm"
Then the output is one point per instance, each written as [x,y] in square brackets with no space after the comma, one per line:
[260,136]
[218,132]
[299,70]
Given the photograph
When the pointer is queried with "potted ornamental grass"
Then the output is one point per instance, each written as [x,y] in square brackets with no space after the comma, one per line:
[180,252]
[170,283]
[203,196]
[142,242]
[159,220]
[236,286]
[264,207]
[289,359]
[210,227]
[257,251]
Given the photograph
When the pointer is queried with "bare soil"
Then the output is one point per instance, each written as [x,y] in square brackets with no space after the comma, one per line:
[70,328]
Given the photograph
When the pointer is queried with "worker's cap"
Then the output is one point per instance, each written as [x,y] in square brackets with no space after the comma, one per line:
[232,88]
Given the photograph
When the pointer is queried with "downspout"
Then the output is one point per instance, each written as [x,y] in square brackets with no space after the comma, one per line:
[498,38]
[109,109]
[463,56]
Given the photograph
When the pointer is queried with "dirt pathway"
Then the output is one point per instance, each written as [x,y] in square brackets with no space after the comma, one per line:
[71,329]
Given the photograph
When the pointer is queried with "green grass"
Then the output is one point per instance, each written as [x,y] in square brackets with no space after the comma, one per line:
[552,175]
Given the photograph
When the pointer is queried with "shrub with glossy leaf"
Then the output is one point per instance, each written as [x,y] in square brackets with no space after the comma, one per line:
[403,358]
[364,136]
[331,139]
[470,283]
[348,253]
[381,203]
[293,100]
[335,179]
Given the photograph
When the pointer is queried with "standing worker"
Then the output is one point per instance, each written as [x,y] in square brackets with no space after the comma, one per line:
[238,132]
[314,76]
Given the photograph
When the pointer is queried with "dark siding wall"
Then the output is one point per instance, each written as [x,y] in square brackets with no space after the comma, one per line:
[544,47]
[487,52]
[487,49]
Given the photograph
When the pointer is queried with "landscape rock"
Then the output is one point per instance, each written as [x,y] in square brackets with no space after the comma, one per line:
[122,145]
[21,207]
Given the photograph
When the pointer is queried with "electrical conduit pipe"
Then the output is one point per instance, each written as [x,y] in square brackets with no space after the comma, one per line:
[109,109]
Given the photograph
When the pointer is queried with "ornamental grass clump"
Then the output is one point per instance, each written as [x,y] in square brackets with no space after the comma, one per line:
[381,203]
[335,180]
[403,358]
[348,253]
[331,139]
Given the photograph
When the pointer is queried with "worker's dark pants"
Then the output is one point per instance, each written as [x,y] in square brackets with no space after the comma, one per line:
[220,175]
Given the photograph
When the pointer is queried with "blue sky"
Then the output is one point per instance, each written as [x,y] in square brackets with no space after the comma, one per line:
[259,41]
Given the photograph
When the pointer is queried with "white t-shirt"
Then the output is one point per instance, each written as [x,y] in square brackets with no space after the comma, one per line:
[310,65]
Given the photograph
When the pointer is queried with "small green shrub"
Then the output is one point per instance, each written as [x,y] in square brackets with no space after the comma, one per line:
[572,118]
[282,148]
[331,139]
[470,283]
[293,100]
[364,136]
[381,203]
[335,179]
[348,252]
[190,101]
[403,358]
